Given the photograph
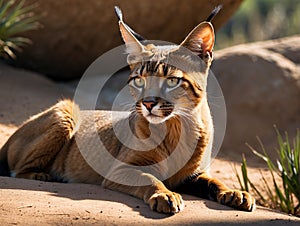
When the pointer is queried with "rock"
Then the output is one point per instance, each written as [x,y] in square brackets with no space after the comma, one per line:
[288,47]
[75,34]
[260,83]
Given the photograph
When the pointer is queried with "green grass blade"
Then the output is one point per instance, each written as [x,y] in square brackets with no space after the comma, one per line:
[297,151]
[22,25]
[8,51]
[238,177]
[20,40]
[282,201]
[268,189]
[15,19]
[258,193]
[245,173]
[14,14]
[4,8]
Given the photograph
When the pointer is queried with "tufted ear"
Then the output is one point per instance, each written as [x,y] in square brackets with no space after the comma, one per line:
[130,38]
[201,40]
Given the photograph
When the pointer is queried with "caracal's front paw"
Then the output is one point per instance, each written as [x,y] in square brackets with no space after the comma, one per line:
[166,202]
[241,200]
[41,176]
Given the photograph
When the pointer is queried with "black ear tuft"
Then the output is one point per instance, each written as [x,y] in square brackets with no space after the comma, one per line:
[214,13]
[119,14]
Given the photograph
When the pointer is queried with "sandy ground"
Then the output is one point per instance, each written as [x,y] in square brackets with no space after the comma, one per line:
[26,202]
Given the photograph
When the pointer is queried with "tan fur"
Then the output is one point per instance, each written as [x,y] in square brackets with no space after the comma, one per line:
[45,147]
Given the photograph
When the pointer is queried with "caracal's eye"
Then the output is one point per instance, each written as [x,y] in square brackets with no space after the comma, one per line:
[139,82]
[172,82]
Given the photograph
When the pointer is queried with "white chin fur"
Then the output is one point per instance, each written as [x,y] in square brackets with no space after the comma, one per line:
[152,118]
[155,119]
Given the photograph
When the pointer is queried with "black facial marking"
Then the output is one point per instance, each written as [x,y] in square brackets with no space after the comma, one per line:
[142,69]
[152,66]
[165,69]
[167,108]
[130,79]
[193,88]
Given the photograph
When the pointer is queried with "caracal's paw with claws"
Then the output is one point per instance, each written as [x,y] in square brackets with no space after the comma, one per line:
[166,202]
[241,200]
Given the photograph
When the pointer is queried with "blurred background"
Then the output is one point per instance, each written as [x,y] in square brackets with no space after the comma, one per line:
[73,33]
[260,20]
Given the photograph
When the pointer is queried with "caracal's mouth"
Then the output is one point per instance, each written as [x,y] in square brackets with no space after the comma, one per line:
[156,119]
[156,114]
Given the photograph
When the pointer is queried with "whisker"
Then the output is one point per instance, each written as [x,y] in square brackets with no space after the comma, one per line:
[186,117]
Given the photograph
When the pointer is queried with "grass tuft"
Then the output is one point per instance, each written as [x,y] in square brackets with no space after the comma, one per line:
[15,18]
[283,194]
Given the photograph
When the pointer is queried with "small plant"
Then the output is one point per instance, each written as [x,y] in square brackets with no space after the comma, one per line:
[15,18]
[285,193]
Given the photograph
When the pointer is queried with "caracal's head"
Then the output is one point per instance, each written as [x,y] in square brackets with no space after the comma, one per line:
[168,80]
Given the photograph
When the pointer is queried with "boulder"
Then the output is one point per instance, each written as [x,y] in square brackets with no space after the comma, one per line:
[76,32]
[288,47]
[261,86]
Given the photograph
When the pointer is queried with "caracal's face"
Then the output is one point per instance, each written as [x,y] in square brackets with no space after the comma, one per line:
[162,90]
